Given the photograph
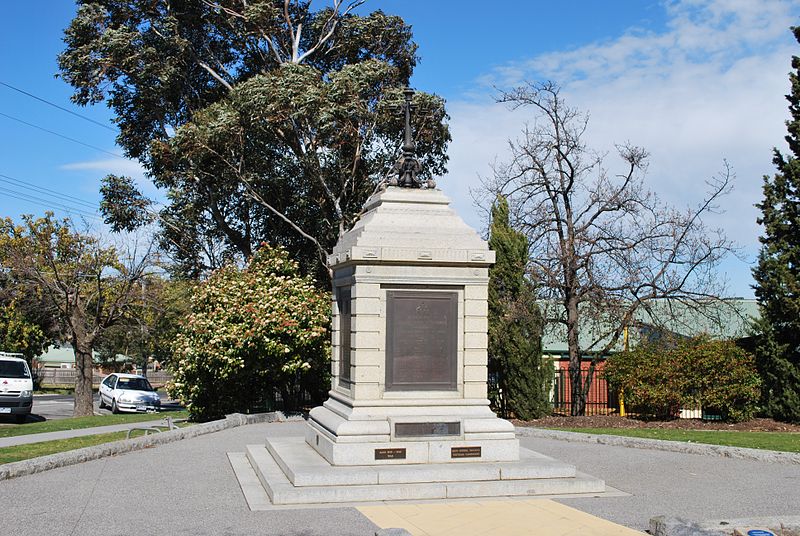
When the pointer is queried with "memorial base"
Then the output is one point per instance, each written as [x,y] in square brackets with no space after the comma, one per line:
[291,472]
[416,433]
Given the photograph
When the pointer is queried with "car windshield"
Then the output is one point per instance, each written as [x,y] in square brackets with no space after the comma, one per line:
[13,369]
[134,384]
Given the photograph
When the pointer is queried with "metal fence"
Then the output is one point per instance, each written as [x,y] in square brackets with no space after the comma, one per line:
[599,400]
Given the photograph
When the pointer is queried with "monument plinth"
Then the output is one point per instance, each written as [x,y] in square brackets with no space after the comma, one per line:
[407,415]
[409,341]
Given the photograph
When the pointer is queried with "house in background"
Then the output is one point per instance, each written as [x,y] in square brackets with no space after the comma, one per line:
[730,319]
[62,356]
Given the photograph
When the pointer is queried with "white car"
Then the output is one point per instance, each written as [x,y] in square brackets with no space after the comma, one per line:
[128,392]
[16,387]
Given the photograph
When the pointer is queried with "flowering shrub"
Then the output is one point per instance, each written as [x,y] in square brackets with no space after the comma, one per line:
[252,332]
[660,378]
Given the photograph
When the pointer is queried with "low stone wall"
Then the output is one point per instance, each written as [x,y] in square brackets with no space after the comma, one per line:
[71,457]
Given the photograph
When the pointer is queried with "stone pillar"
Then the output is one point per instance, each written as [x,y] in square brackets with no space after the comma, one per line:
[409,374]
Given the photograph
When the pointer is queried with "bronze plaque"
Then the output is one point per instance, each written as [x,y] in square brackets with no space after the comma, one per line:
[343,303]
[465,452]
[416,429]
[390,454]
[421,339]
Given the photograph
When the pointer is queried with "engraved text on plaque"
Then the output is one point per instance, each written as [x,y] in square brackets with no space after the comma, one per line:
[421,339]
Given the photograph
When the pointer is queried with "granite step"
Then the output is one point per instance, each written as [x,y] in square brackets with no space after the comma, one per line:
[305,467]
[290,475]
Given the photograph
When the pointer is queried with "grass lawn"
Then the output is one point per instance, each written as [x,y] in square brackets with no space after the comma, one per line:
[34,450]
[76,423]
[781,441]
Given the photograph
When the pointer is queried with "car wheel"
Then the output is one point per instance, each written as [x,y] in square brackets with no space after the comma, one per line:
[114,406]
[102,404]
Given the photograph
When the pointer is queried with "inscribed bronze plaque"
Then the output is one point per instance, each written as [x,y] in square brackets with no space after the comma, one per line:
[390,454]
[415,429]
[421,339]
[343,304]
[465,452]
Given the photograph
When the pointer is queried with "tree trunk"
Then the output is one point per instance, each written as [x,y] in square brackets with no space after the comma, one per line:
[578,396]
[83,379]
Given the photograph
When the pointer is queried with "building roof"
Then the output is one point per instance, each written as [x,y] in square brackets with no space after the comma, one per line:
[63,353]
[727,319]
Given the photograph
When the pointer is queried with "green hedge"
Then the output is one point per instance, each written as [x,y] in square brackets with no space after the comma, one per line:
[659,378]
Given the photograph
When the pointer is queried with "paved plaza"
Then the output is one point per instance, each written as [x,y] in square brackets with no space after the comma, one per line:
[188,487]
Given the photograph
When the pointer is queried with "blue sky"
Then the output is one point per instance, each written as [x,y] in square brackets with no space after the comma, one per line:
[693,82]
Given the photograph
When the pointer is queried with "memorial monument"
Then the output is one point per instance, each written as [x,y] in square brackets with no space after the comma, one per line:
[408,415]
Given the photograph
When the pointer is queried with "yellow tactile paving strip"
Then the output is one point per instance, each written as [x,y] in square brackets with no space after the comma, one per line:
[506,518]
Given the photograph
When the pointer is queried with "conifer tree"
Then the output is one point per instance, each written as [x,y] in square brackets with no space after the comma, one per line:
[515,325]
[777,274]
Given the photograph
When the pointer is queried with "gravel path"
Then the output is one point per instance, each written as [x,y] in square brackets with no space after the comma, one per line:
[182,488]
[676,484]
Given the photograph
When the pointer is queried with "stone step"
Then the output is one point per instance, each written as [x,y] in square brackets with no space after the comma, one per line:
[305,467]
[535,475]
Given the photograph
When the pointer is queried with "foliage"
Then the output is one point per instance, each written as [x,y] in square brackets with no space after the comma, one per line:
[658,378]
[19,335]
[602,246]
[84,286]
[252,332]
[263,120]
[125,208]
[515,325]
[150,330]
[777,274]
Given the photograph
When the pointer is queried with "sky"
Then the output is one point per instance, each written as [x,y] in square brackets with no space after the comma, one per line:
[696,83]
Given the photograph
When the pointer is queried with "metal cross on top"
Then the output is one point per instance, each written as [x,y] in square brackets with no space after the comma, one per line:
[407,167]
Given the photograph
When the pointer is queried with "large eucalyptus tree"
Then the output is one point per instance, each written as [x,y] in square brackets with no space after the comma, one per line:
[263,120]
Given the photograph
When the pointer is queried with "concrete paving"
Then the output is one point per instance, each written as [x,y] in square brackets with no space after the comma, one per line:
[492,518]
[674,484]
[188,487]
[183,488]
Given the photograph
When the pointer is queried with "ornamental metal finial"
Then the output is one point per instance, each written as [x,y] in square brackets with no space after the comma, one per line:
[405,170]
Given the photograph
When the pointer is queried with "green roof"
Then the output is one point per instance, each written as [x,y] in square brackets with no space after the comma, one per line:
[64,353]
[727,319]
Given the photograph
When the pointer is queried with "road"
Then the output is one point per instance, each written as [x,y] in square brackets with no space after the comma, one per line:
[53,407]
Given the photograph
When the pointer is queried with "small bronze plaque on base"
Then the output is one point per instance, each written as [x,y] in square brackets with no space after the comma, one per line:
[390,454]
[422,429]
[465,452]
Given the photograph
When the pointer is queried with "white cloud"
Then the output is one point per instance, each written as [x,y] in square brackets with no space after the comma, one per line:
[116,166]
[709,87]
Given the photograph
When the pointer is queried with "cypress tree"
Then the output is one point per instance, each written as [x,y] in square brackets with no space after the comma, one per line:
[777,274]
[515,324]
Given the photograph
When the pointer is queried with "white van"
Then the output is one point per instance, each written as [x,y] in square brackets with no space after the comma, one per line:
[16,387]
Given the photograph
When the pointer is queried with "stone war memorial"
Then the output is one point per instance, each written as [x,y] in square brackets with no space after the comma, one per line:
[408,415]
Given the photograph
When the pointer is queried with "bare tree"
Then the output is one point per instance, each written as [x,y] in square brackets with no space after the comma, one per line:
[602,246]
[86,287]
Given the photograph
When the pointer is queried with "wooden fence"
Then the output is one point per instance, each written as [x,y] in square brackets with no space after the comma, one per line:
[599,400]
[66,377]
